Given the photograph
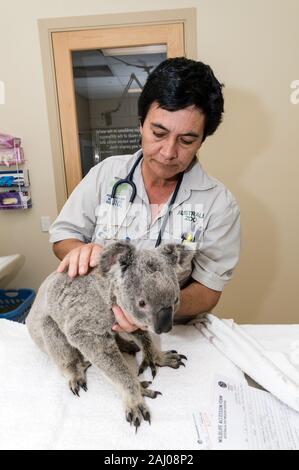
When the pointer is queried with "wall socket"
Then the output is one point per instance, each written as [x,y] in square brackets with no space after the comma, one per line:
[45,223]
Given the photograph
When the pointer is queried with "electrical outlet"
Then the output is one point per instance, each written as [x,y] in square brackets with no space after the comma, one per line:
[45,223]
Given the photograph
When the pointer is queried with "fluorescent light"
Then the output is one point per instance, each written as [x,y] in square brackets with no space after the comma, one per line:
[154,49]
[134,90]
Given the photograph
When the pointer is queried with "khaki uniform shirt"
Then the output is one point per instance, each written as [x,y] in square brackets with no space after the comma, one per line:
[205,215]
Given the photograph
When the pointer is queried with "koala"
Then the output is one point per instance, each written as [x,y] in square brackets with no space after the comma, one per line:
[71,319]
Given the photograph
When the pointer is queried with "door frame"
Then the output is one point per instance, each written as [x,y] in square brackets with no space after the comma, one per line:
[48,26]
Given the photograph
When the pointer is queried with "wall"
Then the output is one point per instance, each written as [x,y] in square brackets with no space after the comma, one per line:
[252,47]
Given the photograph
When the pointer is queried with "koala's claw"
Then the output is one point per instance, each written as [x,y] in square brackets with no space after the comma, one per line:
[145,384]
[136,424]
[75,392]
[170,359]
[145,364]
[146,392]
[147,417]
[150,393]
[135,414]
[75,387]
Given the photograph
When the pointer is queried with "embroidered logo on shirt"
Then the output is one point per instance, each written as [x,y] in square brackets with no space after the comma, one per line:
[191,216]
[117,201]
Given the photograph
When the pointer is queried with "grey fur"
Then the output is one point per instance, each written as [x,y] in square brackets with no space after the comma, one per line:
[71,319]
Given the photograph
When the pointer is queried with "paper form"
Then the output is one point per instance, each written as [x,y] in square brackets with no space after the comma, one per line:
[242,417]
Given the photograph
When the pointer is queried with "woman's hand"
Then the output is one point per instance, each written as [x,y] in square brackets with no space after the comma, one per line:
[80,259]
[123,321]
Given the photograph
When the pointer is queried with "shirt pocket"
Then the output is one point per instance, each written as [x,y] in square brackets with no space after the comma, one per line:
[185,232]
[180,230]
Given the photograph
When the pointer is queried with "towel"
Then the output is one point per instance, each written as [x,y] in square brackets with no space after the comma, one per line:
[276,371]
[38,411]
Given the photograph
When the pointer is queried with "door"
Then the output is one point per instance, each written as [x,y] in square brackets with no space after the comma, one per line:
[99,76]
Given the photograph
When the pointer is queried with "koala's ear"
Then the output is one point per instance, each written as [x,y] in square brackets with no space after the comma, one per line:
[119,252]
[177,254]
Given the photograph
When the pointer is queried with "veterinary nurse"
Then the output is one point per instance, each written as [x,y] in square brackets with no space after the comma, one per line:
[180,105]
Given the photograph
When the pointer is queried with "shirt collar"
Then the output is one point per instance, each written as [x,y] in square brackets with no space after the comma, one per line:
[125,169]
[195,178]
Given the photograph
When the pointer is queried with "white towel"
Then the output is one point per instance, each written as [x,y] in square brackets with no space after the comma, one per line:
[38,411]
[276,371]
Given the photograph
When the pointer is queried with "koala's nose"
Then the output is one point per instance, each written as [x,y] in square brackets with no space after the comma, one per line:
[163,321]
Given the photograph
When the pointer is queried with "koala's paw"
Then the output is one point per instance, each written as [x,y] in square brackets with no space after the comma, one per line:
[77,376]
[162,359]
[170,359]
[136,412]
[75,386]
[146,392]
[148,362]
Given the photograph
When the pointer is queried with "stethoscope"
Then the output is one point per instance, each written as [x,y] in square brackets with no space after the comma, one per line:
[129,180]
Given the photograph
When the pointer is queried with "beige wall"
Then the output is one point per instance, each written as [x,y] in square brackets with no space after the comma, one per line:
[253,47]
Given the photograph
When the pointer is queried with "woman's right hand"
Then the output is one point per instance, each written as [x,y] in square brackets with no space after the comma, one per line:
[80,259]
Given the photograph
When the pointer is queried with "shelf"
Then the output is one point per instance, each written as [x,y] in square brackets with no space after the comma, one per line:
[21,186]
[12,157]
[14,182]
[14,163]
[16,207]
[10,179]
[15,200]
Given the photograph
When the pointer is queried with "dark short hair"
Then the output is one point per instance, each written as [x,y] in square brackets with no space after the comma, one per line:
[178,83]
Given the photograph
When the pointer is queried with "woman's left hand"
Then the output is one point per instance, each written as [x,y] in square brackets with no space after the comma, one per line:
[122,321]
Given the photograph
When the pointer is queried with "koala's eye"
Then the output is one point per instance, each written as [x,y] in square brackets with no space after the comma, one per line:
[176,300]
[142,303]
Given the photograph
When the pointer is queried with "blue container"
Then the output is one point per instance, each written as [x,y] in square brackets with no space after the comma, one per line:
[15,304]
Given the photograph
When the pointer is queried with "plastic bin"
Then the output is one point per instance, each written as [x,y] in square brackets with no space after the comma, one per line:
[15,304]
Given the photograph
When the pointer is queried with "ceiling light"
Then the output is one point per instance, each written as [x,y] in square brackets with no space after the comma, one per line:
[157,49]
[134,90]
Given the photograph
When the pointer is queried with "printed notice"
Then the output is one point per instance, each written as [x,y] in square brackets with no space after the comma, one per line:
[117,141]
[244,417]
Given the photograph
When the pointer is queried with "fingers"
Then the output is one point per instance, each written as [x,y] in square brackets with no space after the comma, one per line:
[63,265]
[78,260]
[84,258]
[123,324]
[95,255]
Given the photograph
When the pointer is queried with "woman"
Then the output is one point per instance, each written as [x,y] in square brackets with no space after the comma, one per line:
[180,105]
